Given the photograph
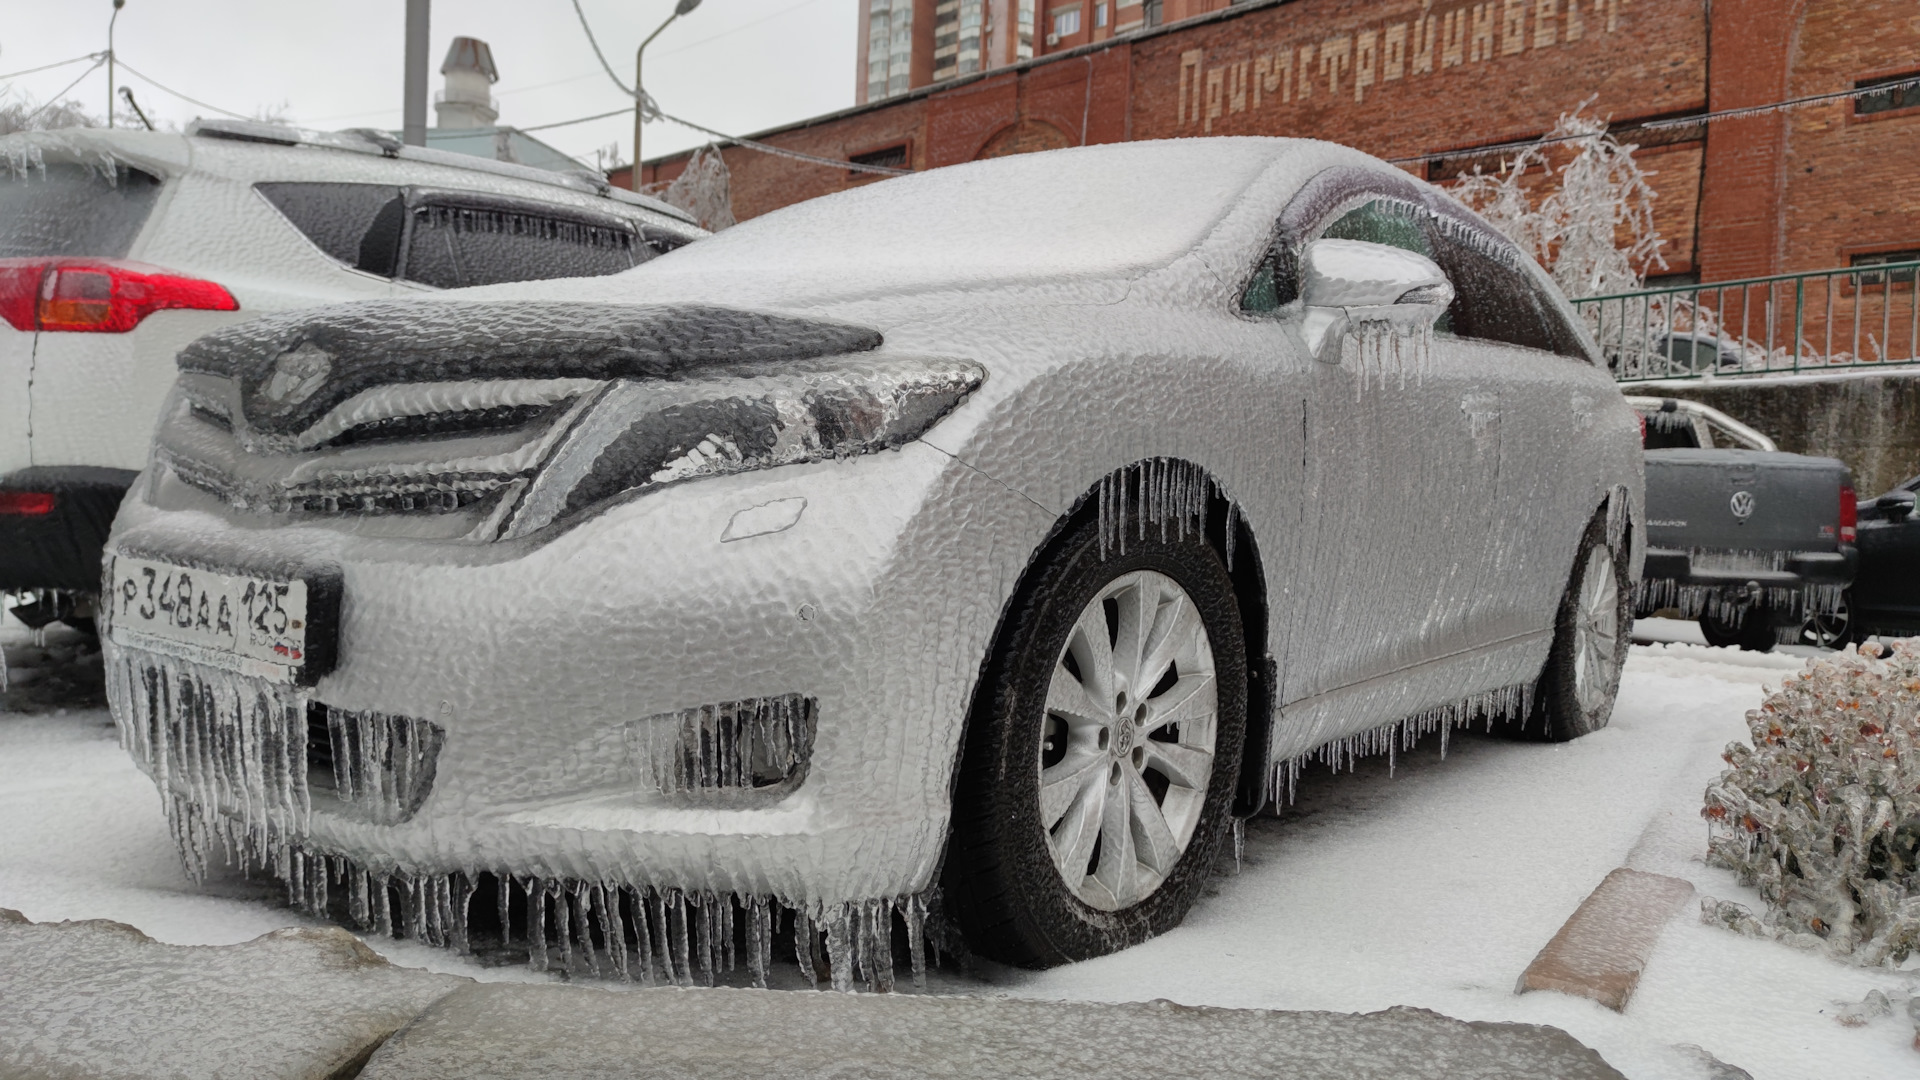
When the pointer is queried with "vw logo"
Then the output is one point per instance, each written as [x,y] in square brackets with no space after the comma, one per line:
[1742,504]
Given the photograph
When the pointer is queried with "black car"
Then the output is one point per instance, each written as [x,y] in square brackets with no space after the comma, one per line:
[1885,597]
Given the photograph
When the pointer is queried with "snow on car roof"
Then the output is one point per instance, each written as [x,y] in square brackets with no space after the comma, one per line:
[1104,211]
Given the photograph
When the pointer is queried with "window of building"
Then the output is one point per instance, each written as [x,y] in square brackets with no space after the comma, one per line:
[1023,46]
[1902,92]
[1882,258]
[1066,22]
[887,157]
[1100,14]
[1153,13]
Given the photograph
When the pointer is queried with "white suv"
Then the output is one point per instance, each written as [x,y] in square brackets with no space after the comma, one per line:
[119,247]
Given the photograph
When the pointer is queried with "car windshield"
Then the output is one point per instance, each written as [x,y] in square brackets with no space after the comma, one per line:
[70,209]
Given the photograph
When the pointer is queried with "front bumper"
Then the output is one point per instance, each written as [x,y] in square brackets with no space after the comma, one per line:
[537,664]
[60,549]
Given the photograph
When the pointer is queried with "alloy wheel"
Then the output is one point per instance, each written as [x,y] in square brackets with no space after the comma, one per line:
[1126,755]
[1596,630]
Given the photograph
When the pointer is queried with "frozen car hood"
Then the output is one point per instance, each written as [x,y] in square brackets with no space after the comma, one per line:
[1074,219]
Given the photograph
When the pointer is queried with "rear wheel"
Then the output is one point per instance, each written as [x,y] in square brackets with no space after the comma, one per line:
[1830,630]
[1102,752]
[1582,676]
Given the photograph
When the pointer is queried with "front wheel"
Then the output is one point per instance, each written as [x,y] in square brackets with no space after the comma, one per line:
[1102,753]
[1582,676]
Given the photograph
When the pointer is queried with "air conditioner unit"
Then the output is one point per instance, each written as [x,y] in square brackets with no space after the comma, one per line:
[1052,40]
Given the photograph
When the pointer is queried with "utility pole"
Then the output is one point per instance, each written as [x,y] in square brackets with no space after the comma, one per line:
[640,87]
[413,121]
[117,5]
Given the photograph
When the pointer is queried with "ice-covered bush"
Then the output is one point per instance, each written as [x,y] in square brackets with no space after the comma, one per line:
[1822,811]
[1589,222]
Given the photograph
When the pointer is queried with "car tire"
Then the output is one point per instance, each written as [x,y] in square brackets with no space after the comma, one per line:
[1753,632]
[1003,880]
[1577,687]
[1831,631]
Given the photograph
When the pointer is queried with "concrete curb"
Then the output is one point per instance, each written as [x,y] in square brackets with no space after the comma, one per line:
[494,1032]
[1601,950]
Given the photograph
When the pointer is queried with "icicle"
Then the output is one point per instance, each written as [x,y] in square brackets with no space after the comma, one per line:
[1239,843]
[915,910]
[562,924]
[583,894]
[503,901]
[657,920]
[703,936]
[725,904]
[840,958]
[877,948]
[682,960]
[806,947]
[759,932]
[537,957]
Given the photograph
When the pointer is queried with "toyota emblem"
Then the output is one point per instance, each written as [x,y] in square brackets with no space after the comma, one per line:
[1742,504]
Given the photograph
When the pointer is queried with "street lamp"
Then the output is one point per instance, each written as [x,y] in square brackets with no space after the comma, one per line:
[117,5]
[640,88]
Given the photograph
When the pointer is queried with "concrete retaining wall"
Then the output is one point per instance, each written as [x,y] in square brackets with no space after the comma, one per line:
[1872,423]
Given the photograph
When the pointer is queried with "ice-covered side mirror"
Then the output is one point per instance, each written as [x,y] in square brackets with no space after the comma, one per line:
[1895,505]
[1350,282]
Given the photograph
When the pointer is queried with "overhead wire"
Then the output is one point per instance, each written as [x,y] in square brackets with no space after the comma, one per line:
[651,109]
[50,67]
[149,80]
[100,58]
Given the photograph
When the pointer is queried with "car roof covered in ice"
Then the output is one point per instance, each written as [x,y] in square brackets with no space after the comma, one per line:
[1113,211]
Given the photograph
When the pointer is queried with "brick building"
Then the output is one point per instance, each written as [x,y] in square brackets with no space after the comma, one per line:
[1817,186]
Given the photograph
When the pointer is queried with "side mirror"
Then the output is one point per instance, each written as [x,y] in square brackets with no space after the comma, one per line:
[1347,283]
[1895,505]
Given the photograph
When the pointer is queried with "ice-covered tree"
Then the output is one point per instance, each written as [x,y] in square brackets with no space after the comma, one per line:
[1589,221]
[702,189]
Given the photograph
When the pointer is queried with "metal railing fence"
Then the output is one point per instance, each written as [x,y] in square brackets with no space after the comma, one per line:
[1818,321]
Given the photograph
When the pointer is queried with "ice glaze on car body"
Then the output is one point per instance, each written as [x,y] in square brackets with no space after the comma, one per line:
[1390,517]
[227,222]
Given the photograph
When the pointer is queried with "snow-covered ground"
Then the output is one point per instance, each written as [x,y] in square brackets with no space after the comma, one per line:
[1432,887]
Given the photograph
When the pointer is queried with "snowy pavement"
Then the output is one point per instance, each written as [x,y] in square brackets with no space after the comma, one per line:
[1433,887]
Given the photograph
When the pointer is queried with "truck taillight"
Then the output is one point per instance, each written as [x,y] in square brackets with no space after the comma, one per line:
[1849,515]
[27,503]
[102,296]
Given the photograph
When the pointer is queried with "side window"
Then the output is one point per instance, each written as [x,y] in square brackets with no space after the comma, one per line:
[451,246]
[1491,300]
[1383,221]
[342,219]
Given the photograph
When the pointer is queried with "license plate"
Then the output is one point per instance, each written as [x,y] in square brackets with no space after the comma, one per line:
[244,616]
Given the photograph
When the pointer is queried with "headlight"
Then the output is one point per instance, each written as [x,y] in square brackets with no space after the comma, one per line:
[645,435]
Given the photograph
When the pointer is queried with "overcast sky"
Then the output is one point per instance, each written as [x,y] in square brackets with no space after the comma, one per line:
[734,65]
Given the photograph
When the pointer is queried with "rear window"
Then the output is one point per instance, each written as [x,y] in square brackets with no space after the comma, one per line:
[455,246]
[69,209]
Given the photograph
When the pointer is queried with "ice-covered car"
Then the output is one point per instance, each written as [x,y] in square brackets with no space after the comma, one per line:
[118,247]
[1885,595]
[983,541]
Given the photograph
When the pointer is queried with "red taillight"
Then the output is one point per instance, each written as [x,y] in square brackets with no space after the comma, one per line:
[1849,515]
[103,296]
[32,503]
[1642,417]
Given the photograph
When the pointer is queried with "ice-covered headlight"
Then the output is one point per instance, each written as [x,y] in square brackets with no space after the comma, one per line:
[643,435]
